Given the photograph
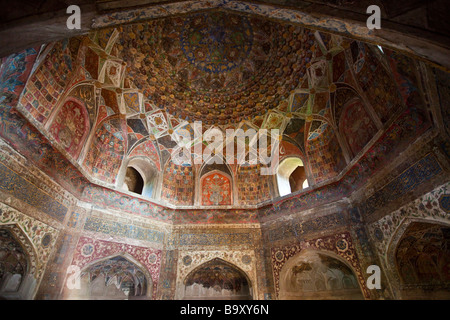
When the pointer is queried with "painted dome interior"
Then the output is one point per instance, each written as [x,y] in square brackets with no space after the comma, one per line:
[131,96]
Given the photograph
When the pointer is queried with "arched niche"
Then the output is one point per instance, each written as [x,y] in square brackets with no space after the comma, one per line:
[133,181]
[216,188]
[216,182]
[318,275]
[291,176]
[113,278]
[17,263]
[422,261]
[217,280]
[140,176]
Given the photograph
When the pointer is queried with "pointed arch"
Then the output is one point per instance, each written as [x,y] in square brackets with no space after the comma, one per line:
[216,188]
[217,279]
[19,264]
[291,175]
[148,148]
[70,126]
[115,277]
[404,278]
[146,170]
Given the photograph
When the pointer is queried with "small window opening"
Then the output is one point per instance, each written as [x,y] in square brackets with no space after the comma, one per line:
[133,181]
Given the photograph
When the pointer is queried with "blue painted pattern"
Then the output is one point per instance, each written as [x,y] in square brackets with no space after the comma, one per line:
[444,202]
[215,44]
[423,170]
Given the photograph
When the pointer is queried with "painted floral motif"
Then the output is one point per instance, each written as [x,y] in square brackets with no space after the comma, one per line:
[70,127]
[422,255]
[201,258]
[216,189]
[187,260]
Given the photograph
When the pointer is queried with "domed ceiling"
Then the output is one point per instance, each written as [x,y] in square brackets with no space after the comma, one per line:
[216,67]
[126,96]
